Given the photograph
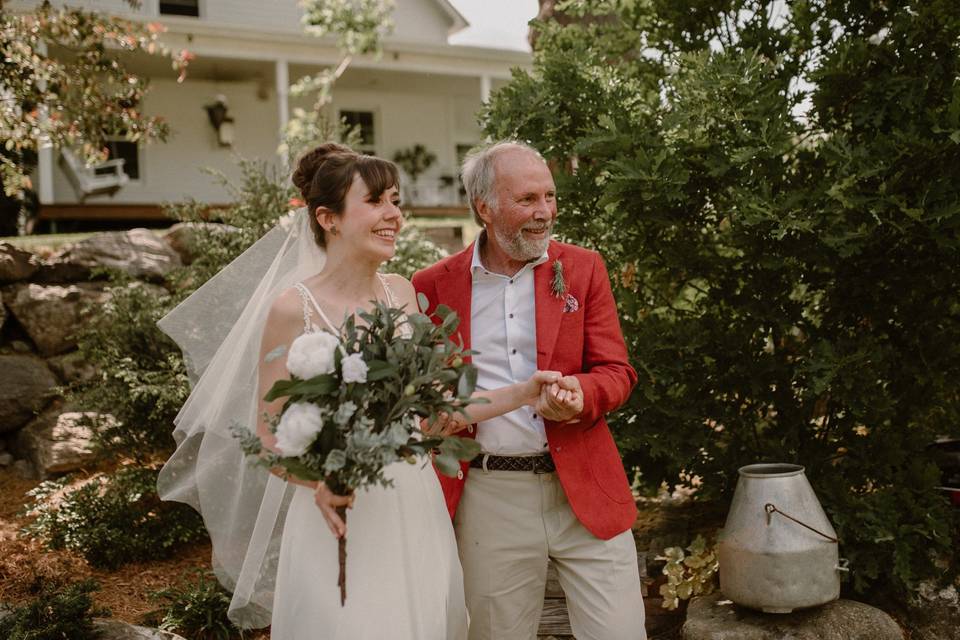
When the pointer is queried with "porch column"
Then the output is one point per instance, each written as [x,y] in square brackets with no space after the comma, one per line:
[45,173]
[44,184]
[484,88]
[283,91]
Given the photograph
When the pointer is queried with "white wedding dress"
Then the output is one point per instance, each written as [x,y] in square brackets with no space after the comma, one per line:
[404,580]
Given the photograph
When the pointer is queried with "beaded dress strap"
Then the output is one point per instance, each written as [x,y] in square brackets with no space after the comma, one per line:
[308,300]
[391,301]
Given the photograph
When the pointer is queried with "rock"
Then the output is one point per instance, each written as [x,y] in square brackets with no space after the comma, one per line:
[6,459]
[138,253]
[3,311]
[58,442]
[71,367]
[119,630]
[182,237]
[19,346]
[27,386]
[57,271]
[712,618]
[16,264]
[24,470]
[52,314]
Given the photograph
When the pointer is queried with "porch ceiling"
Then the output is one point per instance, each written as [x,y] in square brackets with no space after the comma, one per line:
[368,79]
[201,68]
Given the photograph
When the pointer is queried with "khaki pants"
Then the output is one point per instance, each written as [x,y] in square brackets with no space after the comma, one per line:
[508,524]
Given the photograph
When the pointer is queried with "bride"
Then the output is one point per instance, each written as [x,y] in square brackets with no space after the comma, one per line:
[275,541]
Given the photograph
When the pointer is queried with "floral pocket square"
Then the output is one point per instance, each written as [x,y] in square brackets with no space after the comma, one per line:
[570,304]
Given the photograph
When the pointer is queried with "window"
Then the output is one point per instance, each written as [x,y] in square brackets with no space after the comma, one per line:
[180,8]
[129,151]
[363,121]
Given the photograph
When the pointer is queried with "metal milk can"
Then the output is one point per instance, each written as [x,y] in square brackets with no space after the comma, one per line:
[778,552]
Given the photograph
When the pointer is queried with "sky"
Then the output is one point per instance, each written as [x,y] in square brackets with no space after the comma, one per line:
[495,23]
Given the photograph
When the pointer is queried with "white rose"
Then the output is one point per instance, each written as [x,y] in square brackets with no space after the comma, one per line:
[311,354]
[354,368]
[299,426]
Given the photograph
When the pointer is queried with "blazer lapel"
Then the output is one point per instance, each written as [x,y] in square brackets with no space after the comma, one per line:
[549,306]
[455,289]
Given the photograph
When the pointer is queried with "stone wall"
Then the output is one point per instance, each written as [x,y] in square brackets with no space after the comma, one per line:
[45,299]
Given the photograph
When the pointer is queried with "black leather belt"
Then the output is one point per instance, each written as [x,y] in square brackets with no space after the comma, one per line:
[538,464]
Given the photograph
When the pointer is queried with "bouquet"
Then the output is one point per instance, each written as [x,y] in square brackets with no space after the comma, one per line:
[352,402]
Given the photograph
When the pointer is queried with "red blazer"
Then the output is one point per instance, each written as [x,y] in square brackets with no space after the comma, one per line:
[577,336]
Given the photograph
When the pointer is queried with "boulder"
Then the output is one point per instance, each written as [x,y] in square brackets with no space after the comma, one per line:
[6,459]
[52,314]
[16,264]
[182,237]
[71,367]
[138,253]
[713,618]
[120,630]
[27,386]
[58,441]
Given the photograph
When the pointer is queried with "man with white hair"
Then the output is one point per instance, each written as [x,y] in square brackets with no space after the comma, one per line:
[550,483]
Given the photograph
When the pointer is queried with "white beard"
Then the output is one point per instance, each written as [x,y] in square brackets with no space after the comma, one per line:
[520,248]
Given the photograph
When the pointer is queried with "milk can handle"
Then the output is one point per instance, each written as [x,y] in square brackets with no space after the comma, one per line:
[771,508]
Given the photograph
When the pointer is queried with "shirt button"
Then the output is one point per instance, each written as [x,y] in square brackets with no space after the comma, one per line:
[511,315]
[460,474]
[534,416]
[469,428]
[511,282]
[514,351]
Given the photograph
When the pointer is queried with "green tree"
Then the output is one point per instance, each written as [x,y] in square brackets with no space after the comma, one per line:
[63,84]
[776,188]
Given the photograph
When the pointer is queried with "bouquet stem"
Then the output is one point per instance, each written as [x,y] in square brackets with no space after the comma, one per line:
[342,552]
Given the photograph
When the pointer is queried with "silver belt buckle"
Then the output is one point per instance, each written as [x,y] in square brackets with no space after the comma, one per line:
[540,465]
[486,456]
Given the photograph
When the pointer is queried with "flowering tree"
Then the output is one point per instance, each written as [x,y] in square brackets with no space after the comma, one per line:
[62,84]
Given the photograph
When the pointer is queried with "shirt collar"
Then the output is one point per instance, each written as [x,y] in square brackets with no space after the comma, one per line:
[476,263]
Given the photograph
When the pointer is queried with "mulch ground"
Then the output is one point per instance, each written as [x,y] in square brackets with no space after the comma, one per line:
[26,565]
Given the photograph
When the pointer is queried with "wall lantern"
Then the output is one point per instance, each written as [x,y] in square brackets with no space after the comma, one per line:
[220,120]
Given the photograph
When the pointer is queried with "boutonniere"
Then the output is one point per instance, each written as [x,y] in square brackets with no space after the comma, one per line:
[559,287]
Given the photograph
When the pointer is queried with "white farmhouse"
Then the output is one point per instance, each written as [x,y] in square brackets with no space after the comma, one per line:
[423,90]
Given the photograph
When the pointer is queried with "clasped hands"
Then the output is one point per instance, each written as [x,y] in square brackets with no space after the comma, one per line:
[556,397]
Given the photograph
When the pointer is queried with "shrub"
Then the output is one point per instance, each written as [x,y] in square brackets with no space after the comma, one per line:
[414,252]
[64,612]
[786,282]
[140,379]
[195,610]
[112,519]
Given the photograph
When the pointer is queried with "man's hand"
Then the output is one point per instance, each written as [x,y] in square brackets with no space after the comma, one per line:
[561,401]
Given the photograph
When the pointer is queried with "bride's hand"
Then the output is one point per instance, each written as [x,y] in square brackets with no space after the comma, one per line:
[444,425]
[540,379]
[328,502]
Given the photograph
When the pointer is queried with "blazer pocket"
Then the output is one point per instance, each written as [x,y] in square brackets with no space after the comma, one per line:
[606,467]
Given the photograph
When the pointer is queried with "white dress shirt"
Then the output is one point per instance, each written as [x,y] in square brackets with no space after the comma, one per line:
[503,330]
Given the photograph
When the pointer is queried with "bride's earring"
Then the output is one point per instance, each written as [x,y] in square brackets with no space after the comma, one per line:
[334,231]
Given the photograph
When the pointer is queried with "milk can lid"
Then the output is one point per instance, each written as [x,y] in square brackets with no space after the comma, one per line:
[771,470]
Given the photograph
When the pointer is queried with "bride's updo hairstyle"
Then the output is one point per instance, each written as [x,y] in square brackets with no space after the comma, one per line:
[324,176]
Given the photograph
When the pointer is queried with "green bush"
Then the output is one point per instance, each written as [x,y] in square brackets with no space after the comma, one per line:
[195,610]
[112,519]
[140,379]
[784,254]
[56,614]
[414,252]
